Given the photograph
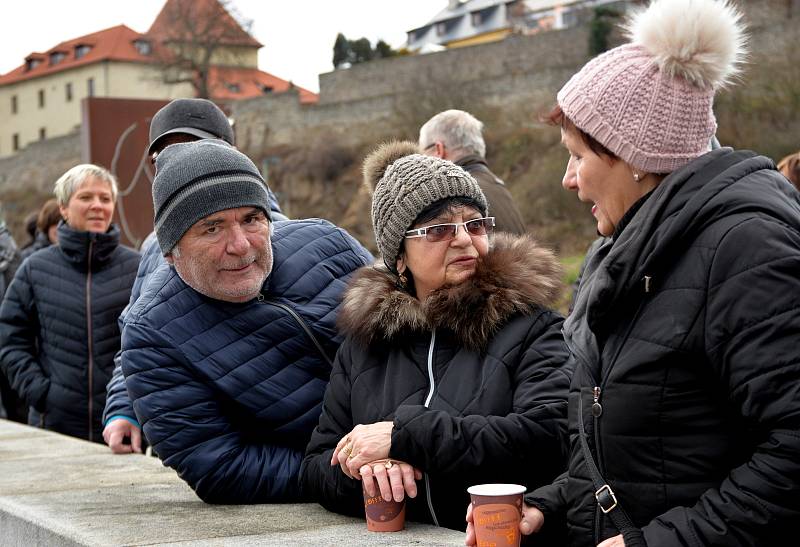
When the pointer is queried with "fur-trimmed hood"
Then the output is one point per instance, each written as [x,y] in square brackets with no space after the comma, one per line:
[515,277]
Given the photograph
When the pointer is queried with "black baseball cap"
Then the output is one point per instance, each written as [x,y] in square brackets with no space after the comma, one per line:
[198,117]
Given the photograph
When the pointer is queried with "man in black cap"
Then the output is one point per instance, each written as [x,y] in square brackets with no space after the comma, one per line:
[180,121]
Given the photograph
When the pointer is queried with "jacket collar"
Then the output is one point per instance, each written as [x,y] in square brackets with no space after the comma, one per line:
[76,245]
[515,277]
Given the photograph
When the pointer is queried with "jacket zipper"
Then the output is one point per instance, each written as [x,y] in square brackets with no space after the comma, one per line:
[427,404]
[89,331]
[597,408]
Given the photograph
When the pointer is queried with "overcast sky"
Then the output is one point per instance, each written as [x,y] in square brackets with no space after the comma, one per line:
[298,35]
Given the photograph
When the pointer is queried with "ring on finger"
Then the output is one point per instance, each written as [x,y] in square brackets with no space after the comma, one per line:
[348,449]
[351,455]
[388,464]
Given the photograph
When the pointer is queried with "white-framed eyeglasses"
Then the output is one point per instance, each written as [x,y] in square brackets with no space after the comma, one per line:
[445,232]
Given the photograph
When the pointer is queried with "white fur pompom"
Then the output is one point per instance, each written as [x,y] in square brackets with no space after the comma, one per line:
[701,40]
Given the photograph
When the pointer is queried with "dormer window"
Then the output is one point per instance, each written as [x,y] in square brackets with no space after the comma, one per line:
[144,47]
[32,62]
[234,88]
[81,50]
[56,57]
[267,89]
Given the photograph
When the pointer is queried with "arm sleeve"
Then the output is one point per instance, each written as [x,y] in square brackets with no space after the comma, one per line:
[319,480]
[439,442]
[182,417]
[118,403]
[752,328]
[19,326]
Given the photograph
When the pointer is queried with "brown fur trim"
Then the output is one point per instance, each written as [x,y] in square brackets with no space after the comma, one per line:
[516,277]
[381,158]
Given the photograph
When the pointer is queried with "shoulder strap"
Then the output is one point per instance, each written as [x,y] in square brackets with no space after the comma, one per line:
[305,327]
[604,494]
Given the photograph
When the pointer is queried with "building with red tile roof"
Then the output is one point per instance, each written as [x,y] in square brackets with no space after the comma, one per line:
[42,97]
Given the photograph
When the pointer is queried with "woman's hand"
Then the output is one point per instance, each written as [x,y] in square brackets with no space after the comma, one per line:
[394,478]
[364,444]
[532,521]
[616,541]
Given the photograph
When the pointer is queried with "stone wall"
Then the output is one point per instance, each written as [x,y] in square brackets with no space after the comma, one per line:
[27,178]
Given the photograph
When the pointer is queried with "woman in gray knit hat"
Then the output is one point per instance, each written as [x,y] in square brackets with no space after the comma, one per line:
[454,363]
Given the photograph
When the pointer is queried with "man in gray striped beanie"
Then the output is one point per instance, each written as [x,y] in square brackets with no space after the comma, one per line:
[212,219]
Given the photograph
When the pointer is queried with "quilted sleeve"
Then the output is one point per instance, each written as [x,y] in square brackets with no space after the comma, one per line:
[19,327]
[320,481]
[183,420]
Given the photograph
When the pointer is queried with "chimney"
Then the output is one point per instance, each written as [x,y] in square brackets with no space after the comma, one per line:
[453,4]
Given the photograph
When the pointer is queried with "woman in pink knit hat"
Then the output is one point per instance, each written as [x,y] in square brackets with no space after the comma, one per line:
[685,403]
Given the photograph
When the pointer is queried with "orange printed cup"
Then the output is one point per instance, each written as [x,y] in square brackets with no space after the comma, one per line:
[496,512]
[382,515]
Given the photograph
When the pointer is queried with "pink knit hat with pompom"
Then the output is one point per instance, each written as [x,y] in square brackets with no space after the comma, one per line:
[650,101]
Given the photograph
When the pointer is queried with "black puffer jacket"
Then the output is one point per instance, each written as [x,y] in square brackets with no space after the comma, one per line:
[689,323]
[496,408]
[58,328]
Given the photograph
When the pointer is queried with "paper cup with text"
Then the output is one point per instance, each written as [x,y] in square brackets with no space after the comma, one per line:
[382,515]
[496,512]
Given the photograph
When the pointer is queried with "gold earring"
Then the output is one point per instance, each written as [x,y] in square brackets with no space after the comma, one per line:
[402,281]
[637,177]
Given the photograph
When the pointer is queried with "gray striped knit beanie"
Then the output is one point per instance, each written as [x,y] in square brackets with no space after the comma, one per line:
[403,183]
[197,179]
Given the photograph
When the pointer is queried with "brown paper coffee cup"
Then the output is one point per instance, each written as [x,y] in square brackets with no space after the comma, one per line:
[496,512]
[382,515]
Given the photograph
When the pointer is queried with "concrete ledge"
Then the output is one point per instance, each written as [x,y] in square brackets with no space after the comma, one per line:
[57,490]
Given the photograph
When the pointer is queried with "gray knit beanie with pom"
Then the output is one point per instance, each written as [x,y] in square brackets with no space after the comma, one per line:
[403,183]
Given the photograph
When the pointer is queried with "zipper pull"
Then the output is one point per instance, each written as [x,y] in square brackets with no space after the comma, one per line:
[597,408]
[647,280]
[260,297]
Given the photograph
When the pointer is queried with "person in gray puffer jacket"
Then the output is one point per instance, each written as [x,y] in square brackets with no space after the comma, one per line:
[58,328]
[9,261]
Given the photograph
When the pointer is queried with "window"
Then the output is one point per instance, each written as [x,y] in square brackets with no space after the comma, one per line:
[441,29]
[90,87]
[267,89]
[68,90]
[15,142]
[234,88]
[56,57]
[143,47]
[477,18]
[32,63]
[42,133]
[13,104]
[41,98]
[81,50]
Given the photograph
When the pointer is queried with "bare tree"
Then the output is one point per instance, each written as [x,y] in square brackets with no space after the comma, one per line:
[192,37]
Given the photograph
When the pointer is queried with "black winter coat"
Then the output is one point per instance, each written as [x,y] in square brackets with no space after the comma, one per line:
[489,406]
[58,328]
[688,322]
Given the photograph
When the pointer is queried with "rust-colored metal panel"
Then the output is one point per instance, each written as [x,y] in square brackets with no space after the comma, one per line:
[114,134]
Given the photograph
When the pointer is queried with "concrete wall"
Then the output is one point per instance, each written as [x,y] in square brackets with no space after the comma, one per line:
[57,490]
[513,56]
[369,98]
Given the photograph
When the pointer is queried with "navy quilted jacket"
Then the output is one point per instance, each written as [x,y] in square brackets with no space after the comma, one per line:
[58,328]
[226,393]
